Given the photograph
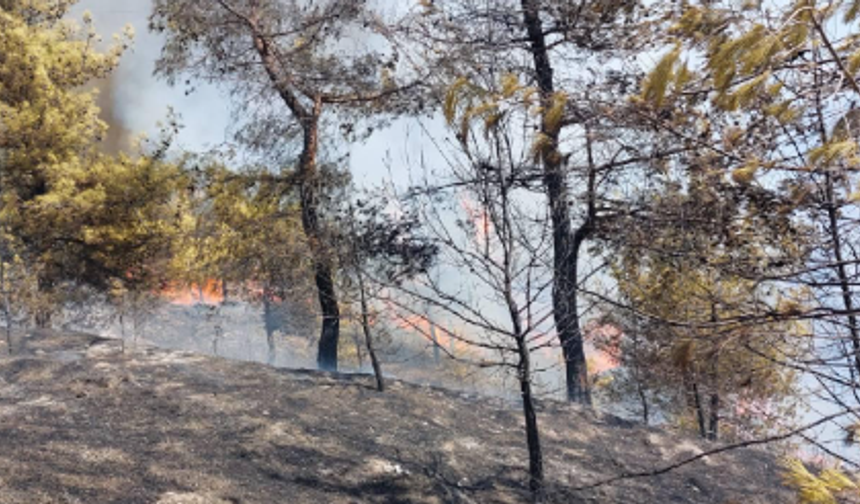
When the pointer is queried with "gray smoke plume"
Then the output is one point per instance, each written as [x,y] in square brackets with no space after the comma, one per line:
[119,137]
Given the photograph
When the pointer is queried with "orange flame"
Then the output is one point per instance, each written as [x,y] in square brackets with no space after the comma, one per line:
[210,292]
[603,344]
[479,217]
[421,325]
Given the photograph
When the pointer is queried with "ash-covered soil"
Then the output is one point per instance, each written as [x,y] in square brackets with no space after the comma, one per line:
[82,422]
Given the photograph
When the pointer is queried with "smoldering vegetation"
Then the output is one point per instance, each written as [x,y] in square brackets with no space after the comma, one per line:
[280,335]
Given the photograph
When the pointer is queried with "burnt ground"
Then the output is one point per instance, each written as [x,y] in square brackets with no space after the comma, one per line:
[82,422]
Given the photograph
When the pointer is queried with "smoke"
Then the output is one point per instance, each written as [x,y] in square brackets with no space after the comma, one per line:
[109,20]
[119,137]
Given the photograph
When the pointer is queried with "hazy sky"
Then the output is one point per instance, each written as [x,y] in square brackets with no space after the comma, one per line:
[141,100]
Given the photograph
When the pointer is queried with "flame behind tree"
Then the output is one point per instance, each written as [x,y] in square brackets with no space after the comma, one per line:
[245,232]
[72,215]
[284,52]
[210,291]
[558,69]
[378,251]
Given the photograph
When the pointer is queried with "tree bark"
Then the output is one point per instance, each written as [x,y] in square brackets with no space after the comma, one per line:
[694,401]
[327,350]
[524,375]
[536,477]
[309,200]
[700,410]
[7,312]
[714,420]
[714,406]
[566,243]
[269,324]
[323,274]
[368,334]
[437,357]
[122,329]
[643,399]
[44,312]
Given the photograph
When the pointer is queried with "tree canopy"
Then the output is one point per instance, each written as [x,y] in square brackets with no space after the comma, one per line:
[693,217]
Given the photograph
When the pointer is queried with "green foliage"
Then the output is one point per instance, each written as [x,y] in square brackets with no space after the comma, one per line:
[658,81]
[245,227]
[72,215]
[686,340]
[822,488]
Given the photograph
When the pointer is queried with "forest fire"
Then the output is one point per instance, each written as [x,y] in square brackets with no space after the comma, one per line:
[424,327]
[474,198]
[603,347]
[480,219]
[211,292]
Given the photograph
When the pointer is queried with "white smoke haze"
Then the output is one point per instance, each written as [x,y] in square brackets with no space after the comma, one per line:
[118,138]
[134,101]
[137,100]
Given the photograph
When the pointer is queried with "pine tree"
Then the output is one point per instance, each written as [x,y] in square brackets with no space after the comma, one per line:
[285,52]
[72,216]
[547,64]
[767,97]
[237,215]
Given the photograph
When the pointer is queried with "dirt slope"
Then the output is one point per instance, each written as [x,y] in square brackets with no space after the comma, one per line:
[81,422]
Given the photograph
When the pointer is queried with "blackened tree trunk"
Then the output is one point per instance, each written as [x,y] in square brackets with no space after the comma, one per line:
[122,329]
[327,350]
[714,420]
[700,410]
[566,243]
[524,376]
[714,404]
[269,324]
[7,311]
[437,357]
[368,334]
[323,274]
[643,397]
[44,312]
[309,183]
[536,478]
[694,401]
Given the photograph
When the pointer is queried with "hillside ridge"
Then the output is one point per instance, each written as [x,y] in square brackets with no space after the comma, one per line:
[82,422]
